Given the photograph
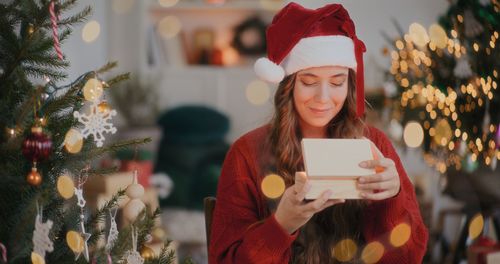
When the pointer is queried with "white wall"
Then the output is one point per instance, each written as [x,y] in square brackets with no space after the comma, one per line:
[85,56]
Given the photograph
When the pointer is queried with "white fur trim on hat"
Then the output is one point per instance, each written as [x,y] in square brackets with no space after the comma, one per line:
[334,50]
[268,70]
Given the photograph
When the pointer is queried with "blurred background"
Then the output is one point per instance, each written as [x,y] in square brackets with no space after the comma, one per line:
[431,71]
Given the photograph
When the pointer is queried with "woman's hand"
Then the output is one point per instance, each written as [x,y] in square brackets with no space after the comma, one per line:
[293,212]
[381,185]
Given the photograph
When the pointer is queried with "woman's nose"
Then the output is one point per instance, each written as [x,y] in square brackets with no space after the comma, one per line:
[322,93]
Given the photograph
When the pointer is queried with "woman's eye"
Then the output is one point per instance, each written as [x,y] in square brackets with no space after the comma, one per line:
[337,84]
[308,83]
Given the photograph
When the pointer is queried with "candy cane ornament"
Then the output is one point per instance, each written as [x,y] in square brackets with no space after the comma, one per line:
[55,35]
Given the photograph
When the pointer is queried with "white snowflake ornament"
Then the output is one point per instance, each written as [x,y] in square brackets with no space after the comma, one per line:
[41,240]
[96,123]
[132,256]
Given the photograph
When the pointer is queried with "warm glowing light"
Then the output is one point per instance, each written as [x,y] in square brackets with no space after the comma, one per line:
[91,31]
[400,234]
[373,252]
[413,134]
[258,92]
[438,36]
[273,186]
[476,226]
[345,250]
[418,34]
[169,27]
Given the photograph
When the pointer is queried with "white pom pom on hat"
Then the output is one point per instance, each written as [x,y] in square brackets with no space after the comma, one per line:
[269,71]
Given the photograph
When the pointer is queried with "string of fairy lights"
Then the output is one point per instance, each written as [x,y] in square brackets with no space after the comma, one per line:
[441,111]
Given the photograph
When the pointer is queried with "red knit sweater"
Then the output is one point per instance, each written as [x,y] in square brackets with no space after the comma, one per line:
[244,231]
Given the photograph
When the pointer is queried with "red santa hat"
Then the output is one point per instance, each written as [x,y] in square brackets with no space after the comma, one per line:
[300,38]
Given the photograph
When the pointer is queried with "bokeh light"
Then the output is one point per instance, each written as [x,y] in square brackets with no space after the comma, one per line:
[258,92]
[73,141]
[167,3]
[438,36]
[273,186]
[91,31]
[476,226]
[65,186]
[345,250]
[373,252]
[92,90]
[400,234]
[169,27]
[418,34]
[122,6]
[413,134]
[75,241]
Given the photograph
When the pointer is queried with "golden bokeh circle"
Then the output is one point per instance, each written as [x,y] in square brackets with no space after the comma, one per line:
[75,241]
[373,252]
[65,186]
[73,141]
[273,186]
[400,234]
[92,90]
[345,250]
[476,226]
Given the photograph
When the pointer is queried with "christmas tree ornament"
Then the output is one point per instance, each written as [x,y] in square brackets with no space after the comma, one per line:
[92,90]
[96,123]
[418,35]
[65,186]
[472,27]
[81,203]
[113,230]
[37,145]
[158,234]
[34,178]
[132,256]
[55,35]
[443,132]
[462,69]
[41,240]
[104,107]
[162,183]
[147,253]
[73,141]
[135,206]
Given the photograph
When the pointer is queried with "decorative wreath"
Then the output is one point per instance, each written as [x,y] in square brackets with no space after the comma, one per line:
[250,37]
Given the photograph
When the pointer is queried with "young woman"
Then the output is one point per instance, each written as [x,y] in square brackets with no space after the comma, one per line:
[317,60]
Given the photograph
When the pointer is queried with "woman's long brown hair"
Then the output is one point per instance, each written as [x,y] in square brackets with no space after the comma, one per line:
[322,233]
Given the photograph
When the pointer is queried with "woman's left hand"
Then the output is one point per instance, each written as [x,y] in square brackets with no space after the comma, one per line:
[381,185]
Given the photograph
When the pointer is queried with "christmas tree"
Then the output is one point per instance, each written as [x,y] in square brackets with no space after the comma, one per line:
[444,86]
[51,135]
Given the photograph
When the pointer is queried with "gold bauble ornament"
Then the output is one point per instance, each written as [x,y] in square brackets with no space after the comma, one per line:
[443,132]
[65,186]
[75,241]
[34,178]
[92,90]
[147,253]
[103,107]
[36,258]
[73,141]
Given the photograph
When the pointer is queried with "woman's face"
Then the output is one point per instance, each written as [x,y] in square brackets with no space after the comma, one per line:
[319,94]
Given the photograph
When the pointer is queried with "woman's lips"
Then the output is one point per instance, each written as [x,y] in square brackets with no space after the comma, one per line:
[319,110]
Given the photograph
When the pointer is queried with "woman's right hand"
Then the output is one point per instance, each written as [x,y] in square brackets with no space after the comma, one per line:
[293,212]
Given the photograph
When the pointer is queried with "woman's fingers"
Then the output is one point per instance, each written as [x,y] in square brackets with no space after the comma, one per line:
[301,187]
[317,204]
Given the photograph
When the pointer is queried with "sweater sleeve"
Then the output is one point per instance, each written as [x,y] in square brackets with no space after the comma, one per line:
[381,217]
[238,235]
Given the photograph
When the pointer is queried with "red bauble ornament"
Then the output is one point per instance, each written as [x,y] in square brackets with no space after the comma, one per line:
[37,146]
